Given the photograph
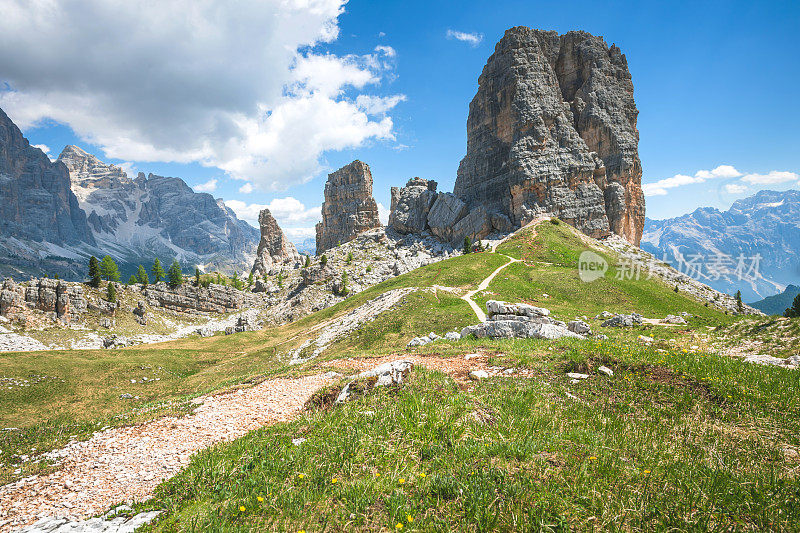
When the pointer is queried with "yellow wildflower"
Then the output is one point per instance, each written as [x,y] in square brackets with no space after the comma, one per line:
[241,508]
[261,498]
[423,475]
[399,526]
[402,480]
[646,472]
[300,476]
[593,458]
[335,480]
[409,518]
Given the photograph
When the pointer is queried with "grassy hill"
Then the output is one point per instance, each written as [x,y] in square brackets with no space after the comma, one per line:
[677,438]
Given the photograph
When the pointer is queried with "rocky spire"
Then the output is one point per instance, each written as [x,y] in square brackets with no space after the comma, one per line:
[552,128]
[349,207]
[274,250]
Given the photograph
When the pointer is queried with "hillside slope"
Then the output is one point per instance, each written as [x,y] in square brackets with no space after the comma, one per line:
[519,451]
[776,305]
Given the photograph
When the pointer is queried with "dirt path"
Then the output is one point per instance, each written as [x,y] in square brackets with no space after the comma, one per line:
[485,283]
[126,464]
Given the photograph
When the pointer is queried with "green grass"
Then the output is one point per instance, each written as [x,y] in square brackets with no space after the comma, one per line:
[670,442]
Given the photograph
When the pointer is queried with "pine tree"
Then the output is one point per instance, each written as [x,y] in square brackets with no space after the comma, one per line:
[108,268]
[141,275]
[157,270]
[343,290]
[280,279]
[308,261]
[323,260]
[175,275]
[132,280]
[111,295]
[196,277]
[94,272]
[349,257]
[467,245]
[250,279]
[794,310]
[235,281]
[219,279]
[739,304]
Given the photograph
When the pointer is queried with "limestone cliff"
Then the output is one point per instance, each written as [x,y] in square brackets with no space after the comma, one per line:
[274,250]
[349,207]
[552,128]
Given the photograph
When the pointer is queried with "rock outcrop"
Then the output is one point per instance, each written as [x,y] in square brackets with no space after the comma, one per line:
[191,300]
[411,204]
[552,129]
[65,300]
[36,203]
[274,250]
[349,207]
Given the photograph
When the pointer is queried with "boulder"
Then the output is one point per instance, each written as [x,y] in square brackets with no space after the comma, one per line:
[673,319]
[623,321]
[580,327]
[496,307]
[507,329]
[411,205]
[443,215]
[393,373]
[475,225]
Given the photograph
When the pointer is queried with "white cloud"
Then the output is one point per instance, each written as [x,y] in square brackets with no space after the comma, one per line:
[43,147]
[247,188]
[289,212]
[209,186]
[376,105]
[774,177]
[474,39]
[388,51]
[300,234]
[660,187]
[735,188]
[237,85]
[383,214]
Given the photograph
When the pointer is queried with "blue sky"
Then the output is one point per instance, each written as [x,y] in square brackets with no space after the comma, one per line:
[715,83]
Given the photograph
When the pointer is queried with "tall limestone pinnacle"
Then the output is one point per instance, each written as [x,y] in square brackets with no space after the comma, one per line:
[349,207]
[274,250]
[552,128]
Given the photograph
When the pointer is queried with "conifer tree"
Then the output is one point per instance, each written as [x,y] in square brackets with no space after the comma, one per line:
[794,310]
[175,275]
[739,305]
[141,275]
[111,295]
[196,277]
[94,272]
[108,269]
[132,280]
[157,270]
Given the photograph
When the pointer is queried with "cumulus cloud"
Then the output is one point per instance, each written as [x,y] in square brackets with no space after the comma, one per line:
[735,188]
[660,187]
[383,214]
[289,212]
[237,85]
[473,39]
[43,147]
[209,186]
[247,188]
[772,178]
[388,51]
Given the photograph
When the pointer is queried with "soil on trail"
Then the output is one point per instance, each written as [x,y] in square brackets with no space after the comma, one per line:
[126,464]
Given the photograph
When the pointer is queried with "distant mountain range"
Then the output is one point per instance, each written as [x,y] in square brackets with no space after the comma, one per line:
[760,233]
[776,305]
[55,214]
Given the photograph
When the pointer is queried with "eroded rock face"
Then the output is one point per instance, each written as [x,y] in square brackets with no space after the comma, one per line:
[36,203]
[552,129]
[190,299]
[64,299]
[411,204]
[274,250]
[349,207]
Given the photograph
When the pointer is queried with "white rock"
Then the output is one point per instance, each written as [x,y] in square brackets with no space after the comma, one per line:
[577,375]
[477,375]
[605,370]
[645,339]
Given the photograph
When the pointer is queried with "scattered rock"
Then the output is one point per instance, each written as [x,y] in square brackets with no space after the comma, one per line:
[673,319]
[580,327]
[477,375]
[623,321]
[577,375]
[393,373]
[606,371]
[645,339]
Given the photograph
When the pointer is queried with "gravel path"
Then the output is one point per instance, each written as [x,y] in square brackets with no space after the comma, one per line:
[126,464]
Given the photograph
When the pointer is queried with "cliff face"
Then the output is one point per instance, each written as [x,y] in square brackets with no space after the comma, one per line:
[552,128]
[36,203]
[274,250]
[349,207]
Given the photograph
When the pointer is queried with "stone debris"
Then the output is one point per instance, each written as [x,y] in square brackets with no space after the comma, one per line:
[673,319]
[623,321]
[577,375]
[645,339]
[605,370]
[477,375]
[580,327]
[126,464]
[385,375]
[518,321]
[792,362]
[108,524]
